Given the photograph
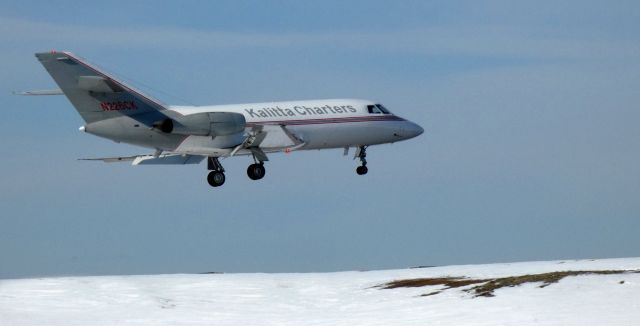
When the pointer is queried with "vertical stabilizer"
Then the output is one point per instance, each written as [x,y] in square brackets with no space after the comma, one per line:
[95,94]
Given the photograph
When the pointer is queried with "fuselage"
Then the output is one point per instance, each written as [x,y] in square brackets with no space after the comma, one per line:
[317,124]
[320,124]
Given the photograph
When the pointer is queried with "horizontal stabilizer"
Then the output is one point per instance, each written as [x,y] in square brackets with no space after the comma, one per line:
[175,159]
[40,92]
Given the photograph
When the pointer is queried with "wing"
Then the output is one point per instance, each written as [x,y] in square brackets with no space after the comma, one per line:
[164,159]
[275,136]
[268,138]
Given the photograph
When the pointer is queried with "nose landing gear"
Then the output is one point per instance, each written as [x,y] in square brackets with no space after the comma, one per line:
[362,154]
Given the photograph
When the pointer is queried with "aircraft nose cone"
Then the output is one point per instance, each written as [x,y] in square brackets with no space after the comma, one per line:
[412,130]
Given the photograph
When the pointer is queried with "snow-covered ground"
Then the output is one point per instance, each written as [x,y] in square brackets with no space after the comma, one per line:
[346,298]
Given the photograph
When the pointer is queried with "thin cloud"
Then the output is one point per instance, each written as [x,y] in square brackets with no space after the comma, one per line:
[491,41]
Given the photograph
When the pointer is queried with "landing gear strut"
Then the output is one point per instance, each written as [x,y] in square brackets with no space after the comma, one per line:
[216,176]
[362,154]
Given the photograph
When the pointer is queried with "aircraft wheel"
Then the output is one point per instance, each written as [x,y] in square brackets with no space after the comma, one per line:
[361,170]
[216,178]
[256,171]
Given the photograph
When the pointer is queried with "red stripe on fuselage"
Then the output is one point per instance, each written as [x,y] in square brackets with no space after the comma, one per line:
[328,120]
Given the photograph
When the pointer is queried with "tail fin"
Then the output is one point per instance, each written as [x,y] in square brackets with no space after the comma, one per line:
[95,94]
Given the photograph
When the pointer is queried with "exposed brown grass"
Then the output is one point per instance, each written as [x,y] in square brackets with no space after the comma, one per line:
[449,282]
[486,287]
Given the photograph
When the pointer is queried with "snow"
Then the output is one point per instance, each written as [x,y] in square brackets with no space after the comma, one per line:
[344,298]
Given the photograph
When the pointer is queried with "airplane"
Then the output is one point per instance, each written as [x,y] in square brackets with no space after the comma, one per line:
[190,134]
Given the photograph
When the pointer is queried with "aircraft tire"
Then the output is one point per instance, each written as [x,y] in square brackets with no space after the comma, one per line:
[362,170]
[256,171]
[216,178]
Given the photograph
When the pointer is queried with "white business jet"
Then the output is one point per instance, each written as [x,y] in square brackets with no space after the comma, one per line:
[190,134]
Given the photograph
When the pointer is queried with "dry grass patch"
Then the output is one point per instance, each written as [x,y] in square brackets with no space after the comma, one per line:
[486,287]
[449,282]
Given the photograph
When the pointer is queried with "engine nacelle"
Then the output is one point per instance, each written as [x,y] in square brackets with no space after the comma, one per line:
[204,124]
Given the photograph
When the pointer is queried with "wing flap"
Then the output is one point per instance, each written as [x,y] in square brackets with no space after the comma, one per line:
[175,159]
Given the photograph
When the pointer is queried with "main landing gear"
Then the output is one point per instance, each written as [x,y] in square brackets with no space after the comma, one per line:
[256,171]
[362,154]
[216,177]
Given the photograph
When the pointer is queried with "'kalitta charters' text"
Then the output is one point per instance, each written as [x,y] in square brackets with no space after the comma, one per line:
[276,111]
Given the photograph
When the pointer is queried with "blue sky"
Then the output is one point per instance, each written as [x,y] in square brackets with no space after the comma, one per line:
[531,147]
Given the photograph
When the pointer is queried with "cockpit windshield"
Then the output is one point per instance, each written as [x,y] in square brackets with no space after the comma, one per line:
[377,109]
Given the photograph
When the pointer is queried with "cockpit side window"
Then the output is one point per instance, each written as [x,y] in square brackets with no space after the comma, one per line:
[377,109]
[373,109]
[383,109]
